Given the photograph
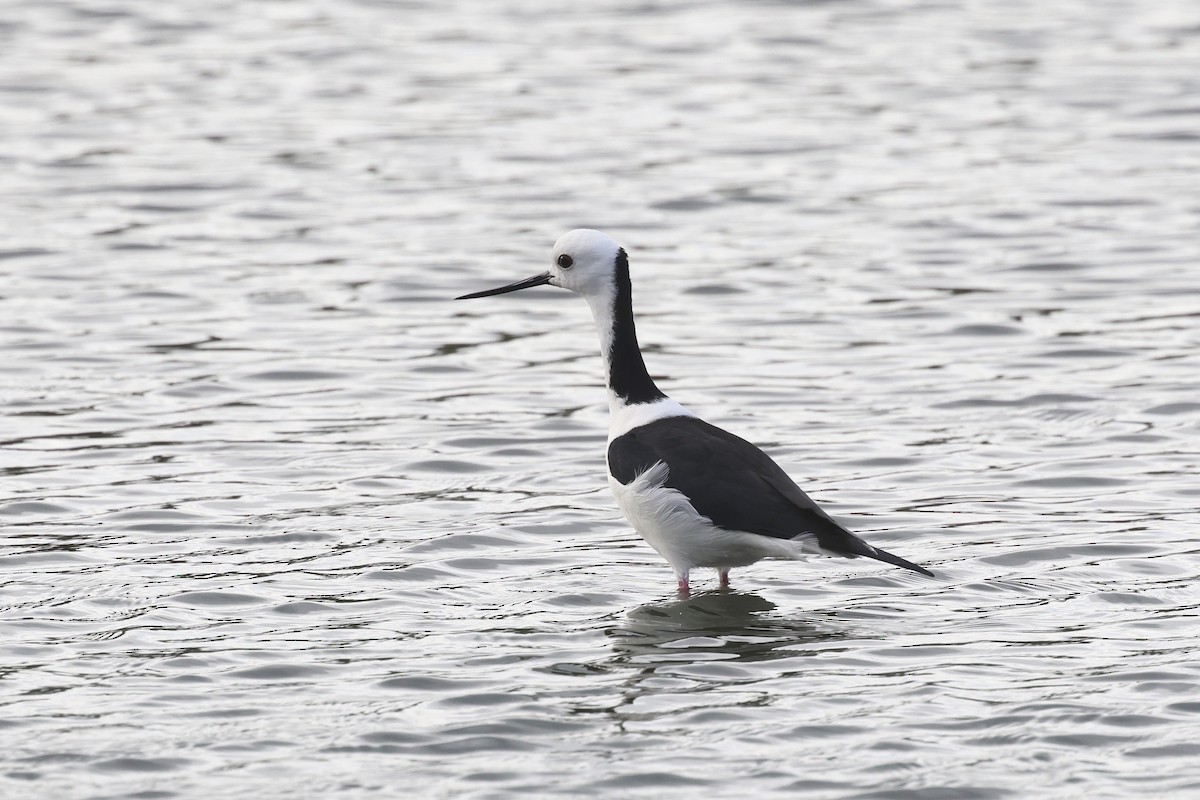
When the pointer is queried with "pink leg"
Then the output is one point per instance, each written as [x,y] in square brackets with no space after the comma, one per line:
[724,576]
[684,589]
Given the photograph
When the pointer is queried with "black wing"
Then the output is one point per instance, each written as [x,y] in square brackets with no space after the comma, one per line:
[734,484]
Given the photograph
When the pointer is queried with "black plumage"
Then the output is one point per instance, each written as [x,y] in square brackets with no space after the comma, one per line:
[734,484]
[627,375]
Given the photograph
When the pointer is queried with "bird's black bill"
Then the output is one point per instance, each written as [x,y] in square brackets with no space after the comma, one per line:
[536,280]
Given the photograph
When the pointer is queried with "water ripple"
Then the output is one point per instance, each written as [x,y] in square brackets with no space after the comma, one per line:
[283,520]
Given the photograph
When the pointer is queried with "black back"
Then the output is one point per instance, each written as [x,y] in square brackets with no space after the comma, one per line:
[733,484]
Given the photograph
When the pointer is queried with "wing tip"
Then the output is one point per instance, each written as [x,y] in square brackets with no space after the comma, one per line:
[895,560]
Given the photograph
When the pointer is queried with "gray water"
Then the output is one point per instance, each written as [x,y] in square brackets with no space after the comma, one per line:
[281,520]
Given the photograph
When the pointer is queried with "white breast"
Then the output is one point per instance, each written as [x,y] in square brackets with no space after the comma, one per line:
[622,418]
[672,526]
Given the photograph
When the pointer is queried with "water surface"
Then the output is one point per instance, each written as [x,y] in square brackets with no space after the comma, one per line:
[282,520]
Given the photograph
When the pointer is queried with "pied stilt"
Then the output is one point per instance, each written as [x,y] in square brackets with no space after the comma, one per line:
[697,494]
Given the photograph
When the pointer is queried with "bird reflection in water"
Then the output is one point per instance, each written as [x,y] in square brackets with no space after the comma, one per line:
[715,626]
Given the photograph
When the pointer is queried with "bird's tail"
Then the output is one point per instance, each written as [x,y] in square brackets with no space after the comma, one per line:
[889,558]
[852,546]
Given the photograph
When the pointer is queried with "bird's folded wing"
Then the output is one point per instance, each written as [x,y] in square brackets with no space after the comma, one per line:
[728,480]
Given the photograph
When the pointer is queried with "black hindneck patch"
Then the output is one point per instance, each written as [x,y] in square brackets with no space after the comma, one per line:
[627,375]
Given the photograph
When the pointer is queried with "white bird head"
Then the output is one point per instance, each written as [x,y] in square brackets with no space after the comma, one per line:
[583,261]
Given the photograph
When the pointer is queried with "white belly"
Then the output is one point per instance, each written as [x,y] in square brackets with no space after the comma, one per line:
[669,523]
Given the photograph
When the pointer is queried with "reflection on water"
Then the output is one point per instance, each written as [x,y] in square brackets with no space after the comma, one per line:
[719,625]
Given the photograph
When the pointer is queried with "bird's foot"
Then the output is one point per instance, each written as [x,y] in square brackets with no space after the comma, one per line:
[685,590]
[723,574]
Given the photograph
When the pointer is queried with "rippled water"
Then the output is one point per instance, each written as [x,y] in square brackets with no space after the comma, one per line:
[281,520]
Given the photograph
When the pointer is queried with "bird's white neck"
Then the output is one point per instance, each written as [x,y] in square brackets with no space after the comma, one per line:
[602,314]
[624,417]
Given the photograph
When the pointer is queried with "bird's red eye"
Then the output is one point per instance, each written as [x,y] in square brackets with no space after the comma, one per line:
[565,261]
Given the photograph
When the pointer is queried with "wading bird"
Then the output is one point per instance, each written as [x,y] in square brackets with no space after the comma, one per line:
[697,494]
